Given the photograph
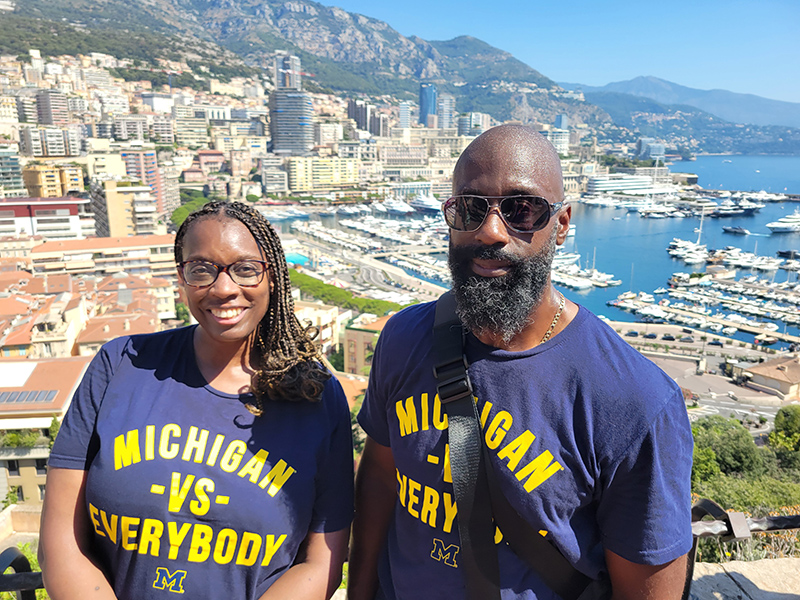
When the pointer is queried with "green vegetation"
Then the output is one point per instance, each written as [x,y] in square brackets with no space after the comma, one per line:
[191,200]
[609,160]
[159,78]
[29,553]
[182,312]
[337,359]
[22,438]
[330,294]
[55,426]
[732,471]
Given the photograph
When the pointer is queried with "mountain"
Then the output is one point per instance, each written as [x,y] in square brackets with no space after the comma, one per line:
[352,54]
[340,51]
[733,107]
[689,127]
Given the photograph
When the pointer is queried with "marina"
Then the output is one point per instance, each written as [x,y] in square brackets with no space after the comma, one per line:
[735,283]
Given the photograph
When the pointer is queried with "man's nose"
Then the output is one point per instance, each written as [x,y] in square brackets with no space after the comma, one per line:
[493,230]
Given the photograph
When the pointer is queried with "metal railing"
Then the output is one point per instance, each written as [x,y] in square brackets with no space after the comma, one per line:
[22,581]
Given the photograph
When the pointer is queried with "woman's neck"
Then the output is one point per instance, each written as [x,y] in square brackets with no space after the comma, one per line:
[225,367]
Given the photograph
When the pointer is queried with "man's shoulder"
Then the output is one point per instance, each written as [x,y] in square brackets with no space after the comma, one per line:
[413,320]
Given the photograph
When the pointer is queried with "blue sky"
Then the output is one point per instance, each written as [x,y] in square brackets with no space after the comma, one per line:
[744,46]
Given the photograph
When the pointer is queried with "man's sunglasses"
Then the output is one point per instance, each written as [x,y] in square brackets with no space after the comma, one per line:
[523,214]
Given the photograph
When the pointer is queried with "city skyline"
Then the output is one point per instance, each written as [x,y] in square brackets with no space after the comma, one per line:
[742,46]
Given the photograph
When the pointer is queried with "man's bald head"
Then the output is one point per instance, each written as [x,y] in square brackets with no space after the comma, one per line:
[522,154]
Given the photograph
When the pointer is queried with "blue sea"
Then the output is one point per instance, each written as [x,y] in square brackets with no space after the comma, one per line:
[634,249]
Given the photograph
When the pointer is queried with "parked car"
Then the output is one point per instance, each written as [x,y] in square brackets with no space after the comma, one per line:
[669,337]
[687,339]
[650,336]
[716,343]
[632,333]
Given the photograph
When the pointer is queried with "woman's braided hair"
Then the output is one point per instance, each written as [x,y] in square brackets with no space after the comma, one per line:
[283,357]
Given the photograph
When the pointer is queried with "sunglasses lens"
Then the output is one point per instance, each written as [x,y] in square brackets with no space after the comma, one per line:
[525,213]
[465,213]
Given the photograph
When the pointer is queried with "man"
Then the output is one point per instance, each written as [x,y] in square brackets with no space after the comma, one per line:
[589,441]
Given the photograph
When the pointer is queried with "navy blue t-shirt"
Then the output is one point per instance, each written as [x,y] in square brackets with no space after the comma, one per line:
[590,442]
[187,491]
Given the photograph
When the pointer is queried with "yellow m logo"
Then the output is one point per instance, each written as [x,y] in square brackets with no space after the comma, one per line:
[169,581]
[448,554]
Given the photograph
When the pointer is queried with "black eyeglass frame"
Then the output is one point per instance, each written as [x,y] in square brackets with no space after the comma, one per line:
[552,208]
[225,269]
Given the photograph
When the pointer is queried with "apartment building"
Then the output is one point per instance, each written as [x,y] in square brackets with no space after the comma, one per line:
[122,209]
[143,165]
[11,182]
[145,255]
[52,218]
[311,173]
[32,393]
[360,338]
[52,181]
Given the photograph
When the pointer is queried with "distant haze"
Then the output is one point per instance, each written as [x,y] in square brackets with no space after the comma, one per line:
[730,106]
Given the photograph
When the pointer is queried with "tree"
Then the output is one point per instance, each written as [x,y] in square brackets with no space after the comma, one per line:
[55,425]
[735,450]
[788,419]
[182,313]
[252,198]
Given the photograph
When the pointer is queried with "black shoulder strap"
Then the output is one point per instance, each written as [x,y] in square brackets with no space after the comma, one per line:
[472,475]
[478,555]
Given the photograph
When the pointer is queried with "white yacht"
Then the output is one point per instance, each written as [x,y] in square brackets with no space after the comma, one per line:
[788,224]
[425,204]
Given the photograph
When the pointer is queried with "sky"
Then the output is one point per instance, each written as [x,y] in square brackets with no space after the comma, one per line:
[745,46]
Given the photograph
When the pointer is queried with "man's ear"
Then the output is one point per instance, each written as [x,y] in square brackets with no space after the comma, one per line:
[563,217]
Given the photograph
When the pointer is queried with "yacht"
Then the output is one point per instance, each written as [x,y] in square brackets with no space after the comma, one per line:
[398,207]
[737,230]
[788,224]
[425,204]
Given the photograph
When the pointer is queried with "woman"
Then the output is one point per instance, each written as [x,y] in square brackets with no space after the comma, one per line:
[215,460]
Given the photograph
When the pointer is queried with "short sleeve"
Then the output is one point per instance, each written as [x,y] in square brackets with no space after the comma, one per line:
[77,443]
[372,416]
[645,509]
[333,505]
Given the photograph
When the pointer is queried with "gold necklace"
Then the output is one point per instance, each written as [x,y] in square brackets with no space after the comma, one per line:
[555,319]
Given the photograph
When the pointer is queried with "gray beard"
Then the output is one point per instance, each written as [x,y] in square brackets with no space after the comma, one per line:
[499,306]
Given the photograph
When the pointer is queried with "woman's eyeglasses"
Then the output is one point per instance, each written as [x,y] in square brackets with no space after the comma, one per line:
[203,273]
[523,214]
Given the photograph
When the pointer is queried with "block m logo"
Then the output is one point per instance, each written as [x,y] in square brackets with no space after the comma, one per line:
[448,554]
[169,581]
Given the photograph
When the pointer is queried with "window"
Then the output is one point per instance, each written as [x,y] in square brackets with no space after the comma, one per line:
[20,495]
[41,492]
[41,466]
[13,468]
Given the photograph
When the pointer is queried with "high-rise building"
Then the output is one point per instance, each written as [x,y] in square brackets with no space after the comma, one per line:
[287,72]
[52,108]
[26,108]
[50,141]
[445,111]
[143,165]
[405,115]
[291,122]
[11,183]
[361,112]
[121,210]
[562,122]
[379,125]
[427,102]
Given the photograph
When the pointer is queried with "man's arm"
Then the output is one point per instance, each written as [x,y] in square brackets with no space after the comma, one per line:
[376,493]
[632,581]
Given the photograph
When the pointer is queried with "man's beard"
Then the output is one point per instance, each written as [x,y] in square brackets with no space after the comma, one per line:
[500,306]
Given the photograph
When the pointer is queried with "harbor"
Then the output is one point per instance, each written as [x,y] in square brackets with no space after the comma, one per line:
[740,285]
